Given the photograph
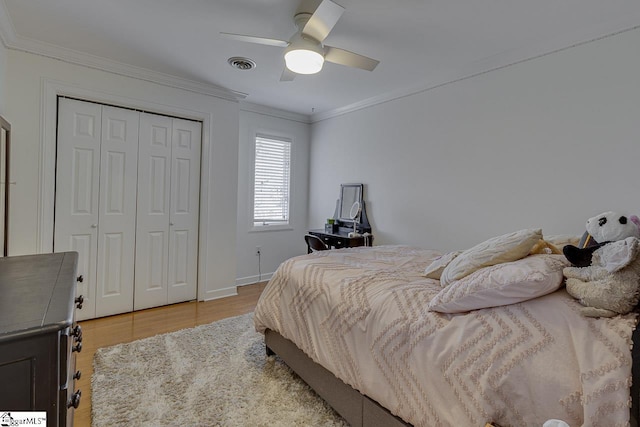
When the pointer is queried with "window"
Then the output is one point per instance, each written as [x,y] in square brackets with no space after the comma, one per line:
[271,181]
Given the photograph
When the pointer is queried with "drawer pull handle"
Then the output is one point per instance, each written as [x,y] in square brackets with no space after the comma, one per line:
[77,347]
[80,278]
[74,400]
[77,333]
[77,375]
[79,300]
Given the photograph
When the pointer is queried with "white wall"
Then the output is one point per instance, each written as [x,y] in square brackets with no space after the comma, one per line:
[548,143]
[276,246]
[3,78]
[28,104]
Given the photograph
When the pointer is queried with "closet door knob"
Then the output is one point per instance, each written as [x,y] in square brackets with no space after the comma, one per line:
[171,223]
[94,225]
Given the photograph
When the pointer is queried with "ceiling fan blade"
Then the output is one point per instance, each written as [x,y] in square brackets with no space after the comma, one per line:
[254,39]
[323,20]
[287,75]
[350,59]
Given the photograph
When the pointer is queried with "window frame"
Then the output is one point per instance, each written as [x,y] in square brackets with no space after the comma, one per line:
[275,136]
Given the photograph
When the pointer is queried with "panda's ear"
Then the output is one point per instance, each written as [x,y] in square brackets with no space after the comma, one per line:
[622,219]
[616,255]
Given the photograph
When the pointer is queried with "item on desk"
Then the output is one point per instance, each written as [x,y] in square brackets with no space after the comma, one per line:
[331,227]
[367,236]
[353,214]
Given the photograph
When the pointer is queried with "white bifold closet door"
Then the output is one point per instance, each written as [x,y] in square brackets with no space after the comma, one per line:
[95,214]
[113,198]
[168,202]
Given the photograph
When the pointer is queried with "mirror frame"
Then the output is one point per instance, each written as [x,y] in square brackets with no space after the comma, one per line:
[344,208]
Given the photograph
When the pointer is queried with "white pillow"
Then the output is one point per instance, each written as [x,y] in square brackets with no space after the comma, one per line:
[435,269]
[502,284]
[505,248]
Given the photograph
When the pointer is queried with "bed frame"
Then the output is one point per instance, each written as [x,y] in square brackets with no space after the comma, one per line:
[359,410]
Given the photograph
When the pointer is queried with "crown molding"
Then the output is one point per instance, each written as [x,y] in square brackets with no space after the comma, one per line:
[103,64]
[274,112]
[442,78]
[487,65]
[6,26]
[13,41]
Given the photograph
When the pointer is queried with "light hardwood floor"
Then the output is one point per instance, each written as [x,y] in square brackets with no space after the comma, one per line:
[108,331]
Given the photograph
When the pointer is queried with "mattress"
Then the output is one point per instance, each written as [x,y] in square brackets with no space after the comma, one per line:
[362,313]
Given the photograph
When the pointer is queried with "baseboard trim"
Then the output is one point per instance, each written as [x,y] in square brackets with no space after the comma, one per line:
[250,280]
[220,293]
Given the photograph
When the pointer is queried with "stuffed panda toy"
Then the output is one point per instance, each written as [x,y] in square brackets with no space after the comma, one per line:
[611,284]
[601,229]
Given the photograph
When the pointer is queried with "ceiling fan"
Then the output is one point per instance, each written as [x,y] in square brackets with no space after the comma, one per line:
[305,53]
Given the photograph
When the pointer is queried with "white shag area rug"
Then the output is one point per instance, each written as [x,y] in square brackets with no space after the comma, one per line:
[210,375]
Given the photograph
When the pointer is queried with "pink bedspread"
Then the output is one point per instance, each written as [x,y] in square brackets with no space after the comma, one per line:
[362,314]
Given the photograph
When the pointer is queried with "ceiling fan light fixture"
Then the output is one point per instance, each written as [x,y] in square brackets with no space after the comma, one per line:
[303,61]
[305,52]
[304,55]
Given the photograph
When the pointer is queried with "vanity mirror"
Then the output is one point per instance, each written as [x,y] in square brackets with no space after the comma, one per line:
[352,195]
[354,213]
[349,194]
[349,226]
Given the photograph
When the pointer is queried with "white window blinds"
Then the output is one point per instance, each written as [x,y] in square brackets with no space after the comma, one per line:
[272,181]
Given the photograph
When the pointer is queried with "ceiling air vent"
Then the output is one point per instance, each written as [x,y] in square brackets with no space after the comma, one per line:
[241,63]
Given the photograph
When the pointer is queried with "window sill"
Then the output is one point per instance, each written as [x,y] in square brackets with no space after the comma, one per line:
[262,228]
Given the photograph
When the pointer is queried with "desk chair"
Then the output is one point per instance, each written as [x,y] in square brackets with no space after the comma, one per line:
[314,243]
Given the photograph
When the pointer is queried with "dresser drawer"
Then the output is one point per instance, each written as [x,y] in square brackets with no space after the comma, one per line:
[70,397]
[339,243]
[27,367]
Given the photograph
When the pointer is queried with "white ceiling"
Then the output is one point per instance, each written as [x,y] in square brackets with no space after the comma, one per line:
[419,43]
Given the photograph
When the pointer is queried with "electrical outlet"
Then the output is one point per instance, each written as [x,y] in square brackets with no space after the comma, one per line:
[258,250]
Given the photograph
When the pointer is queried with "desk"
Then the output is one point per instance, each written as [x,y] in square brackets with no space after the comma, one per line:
[341,239]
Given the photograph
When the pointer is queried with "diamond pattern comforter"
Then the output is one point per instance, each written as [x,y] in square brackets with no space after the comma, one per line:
[362,314]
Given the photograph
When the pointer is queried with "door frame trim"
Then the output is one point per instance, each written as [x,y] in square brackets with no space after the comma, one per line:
[50,90]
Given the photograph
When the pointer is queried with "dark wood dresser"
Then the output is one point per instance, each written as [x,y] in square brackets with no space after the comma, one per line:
[38,337]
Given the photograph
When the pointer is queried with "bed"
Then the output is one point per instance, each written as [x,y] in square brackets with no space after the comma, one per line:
[368,331]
